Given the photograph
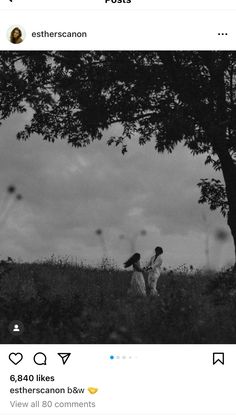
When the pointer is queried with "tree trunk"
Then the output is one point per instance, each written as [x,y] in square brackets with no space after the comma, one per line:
[220,145]
[232,225]
[229,173]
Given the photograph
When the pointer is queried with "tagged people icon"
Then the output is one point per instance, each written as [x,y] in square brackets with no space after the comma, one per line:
[16,328]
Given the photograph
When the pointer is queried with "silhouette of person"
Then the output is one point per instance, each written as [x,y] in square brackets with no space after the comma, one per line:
[137,281]
[154,269]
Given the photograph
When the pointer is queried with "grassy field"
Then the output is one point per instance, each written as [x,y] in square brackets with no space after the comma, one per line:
[60,302]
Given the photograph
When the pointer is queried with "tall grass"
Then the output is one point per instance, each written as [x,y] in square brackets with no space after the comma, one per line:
[63,302]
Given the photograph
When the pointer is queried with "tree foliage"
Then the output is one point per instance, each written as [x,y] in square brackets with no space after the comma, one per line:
[214,194]
[165,97]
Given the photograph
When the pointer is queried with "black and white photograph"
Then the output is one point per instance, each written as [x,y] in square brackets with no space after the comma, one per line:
[118,197]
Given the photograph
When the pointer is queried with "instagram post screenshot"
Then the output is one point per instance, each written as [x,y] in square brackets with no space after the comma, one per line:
[117,209]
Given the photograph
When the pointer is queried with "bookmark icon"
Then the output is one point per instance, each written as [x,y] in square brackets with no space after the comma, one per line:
[218,357]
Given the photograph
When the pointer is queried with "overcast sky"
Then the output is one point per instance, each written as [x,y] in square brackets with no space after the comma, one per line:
[68,193]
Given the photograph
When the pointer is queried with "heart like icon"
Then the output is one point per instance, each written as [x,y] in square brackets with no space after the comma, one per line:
[92,390]
[15,358]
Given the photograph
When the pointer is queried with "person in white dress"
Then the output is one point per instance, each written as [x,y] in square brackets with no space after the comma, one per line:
[137,288]
[154,271]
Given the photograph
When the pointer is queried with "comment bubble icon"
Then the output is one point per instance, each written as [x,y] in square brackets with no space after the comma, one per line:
[40,358]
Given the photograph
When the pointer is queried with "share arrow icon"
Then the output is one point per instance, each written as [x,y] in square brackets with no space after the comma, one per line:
[64,357]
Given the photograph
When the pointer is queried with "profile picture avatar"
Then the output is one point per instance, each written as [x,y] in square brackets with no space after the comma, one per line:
[16,35]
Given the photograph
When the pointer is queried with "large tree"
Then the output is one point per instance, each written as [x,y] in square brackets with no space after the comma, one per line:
[167,97]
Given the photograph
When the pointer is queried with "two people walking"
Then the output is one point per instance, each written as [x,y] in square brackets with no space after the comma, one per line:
[138,286]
